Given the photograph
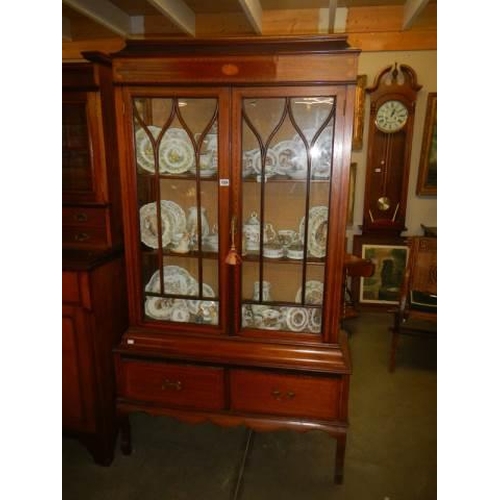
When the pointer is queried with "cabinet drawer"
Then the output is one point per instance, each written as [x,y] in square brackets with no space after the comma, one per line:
[278,394]
[75,216]
[186,386]
[84,235]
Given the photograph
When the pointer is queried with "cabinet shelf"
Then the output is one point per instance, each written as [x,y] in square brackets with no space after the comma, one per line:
[283,260]
[192,254]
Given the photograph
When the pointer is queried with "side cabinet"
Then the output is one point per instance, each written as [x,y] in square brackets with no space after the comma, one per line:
[94,316]
[94,306]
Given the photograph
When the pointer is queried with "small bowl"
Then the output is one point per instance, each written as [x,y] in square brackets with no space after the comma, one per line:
[273,251]
[295,252]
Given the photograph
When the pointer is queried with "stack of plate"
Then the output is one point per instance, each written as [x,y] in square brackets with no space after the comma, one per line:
[177,281]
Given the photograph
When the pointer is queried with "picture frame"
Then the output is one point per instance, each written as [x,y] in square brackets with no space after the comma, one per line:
[352,192]
[427,171]
[390,257]
[359,113]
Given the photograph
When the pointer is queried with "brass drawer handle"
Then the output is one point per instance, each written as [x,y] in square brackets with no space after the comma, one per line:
[175,385]
[81,217]
[278,395]
[82,236]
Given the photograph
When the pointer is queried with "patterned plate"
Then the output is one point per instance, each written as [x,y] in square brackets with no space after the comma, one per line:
[296,318]
[176,152]
[144,148]
[317,231]
[271,162]
[313,295]
[290,157]
[176,281]
[149,225]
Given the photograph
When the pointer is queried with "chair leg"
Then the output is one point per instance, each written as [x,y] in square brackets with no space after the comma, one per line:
[394,347]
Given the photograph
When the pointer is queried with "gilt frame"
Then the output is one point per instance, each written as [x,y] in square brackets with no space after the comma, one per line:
[427,172]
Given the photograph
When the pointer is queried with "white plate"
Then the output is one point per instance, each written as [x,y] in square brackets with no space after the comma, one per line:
[144,148]
[291,157]
[149,224]
[322,157]
[296,318]
[271,162]
[176,152]
[162,307]
[176,217]
[176,281]
[314,320]
[313,295]
[317,231]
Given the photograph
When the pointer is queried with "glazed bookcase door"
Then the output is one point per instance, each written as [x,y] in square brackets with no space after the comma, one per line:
[77,168]
[176,172]
[287,152]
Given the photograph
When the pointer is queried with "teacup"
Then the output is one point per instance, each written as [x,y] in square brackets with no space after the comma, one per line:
[287,236]
[273,251]
[271,319]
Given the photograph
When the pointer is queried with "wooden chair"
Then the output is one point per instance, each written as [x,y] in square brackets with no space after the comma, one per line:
[416,313]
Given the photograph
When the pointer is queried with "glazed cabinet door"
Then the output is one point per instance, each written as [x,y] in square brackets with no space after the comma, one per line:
[82,148]
[178,187]
[290,174]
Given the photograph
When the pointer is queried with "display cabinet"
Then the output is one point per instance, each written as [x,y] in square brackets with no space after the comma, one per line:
[235,157]
[94,301]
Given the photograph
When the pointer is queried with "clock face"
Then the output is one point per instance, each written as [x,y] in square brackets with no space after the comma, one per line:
[391,116]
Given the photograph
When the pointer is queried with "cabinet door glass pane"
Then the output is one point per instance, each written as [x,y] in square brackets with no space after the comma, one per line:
[287,151]
[76,158]
[176,143]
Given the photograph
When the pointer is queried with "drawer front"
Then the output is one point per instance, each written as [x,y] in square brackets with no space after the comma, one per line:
[75,216]
[84,236]
[70,287]
[185,386]
[290,395]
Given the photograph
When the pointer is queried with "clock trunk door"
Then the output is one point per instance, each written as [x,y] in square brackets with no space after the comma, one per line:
[385,195]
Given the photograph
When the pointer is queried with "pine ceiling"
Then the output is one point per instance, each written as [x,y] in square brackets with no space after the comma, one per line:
[369,24]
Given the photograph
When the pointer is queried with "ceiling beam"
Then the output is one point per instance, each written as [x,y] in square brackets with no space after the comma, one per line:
[66,29]
[104,13]
[412,10]
[178,12]
[253,11]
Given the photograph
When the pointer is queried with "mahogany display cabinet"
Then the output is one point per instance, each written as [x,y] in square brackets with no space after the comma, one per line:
[235,157]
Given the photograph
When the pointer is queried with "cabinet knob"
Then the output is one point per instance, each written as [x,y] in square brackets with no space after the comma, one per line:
[175,385]
[82,236]
[81,217]
[278,395]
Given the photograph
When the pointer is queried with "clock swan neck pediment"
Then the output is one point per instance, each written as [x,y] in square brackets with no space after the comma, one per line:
[395,79]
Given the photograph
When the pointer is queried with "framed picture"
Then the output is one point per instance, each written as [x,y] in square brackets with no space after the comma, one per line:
[359,113]
[427,172]
[352,191]
[390,256]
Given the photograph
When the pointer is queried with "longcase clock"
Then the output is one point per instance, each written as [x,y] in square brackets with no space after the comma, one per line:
[392,110]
